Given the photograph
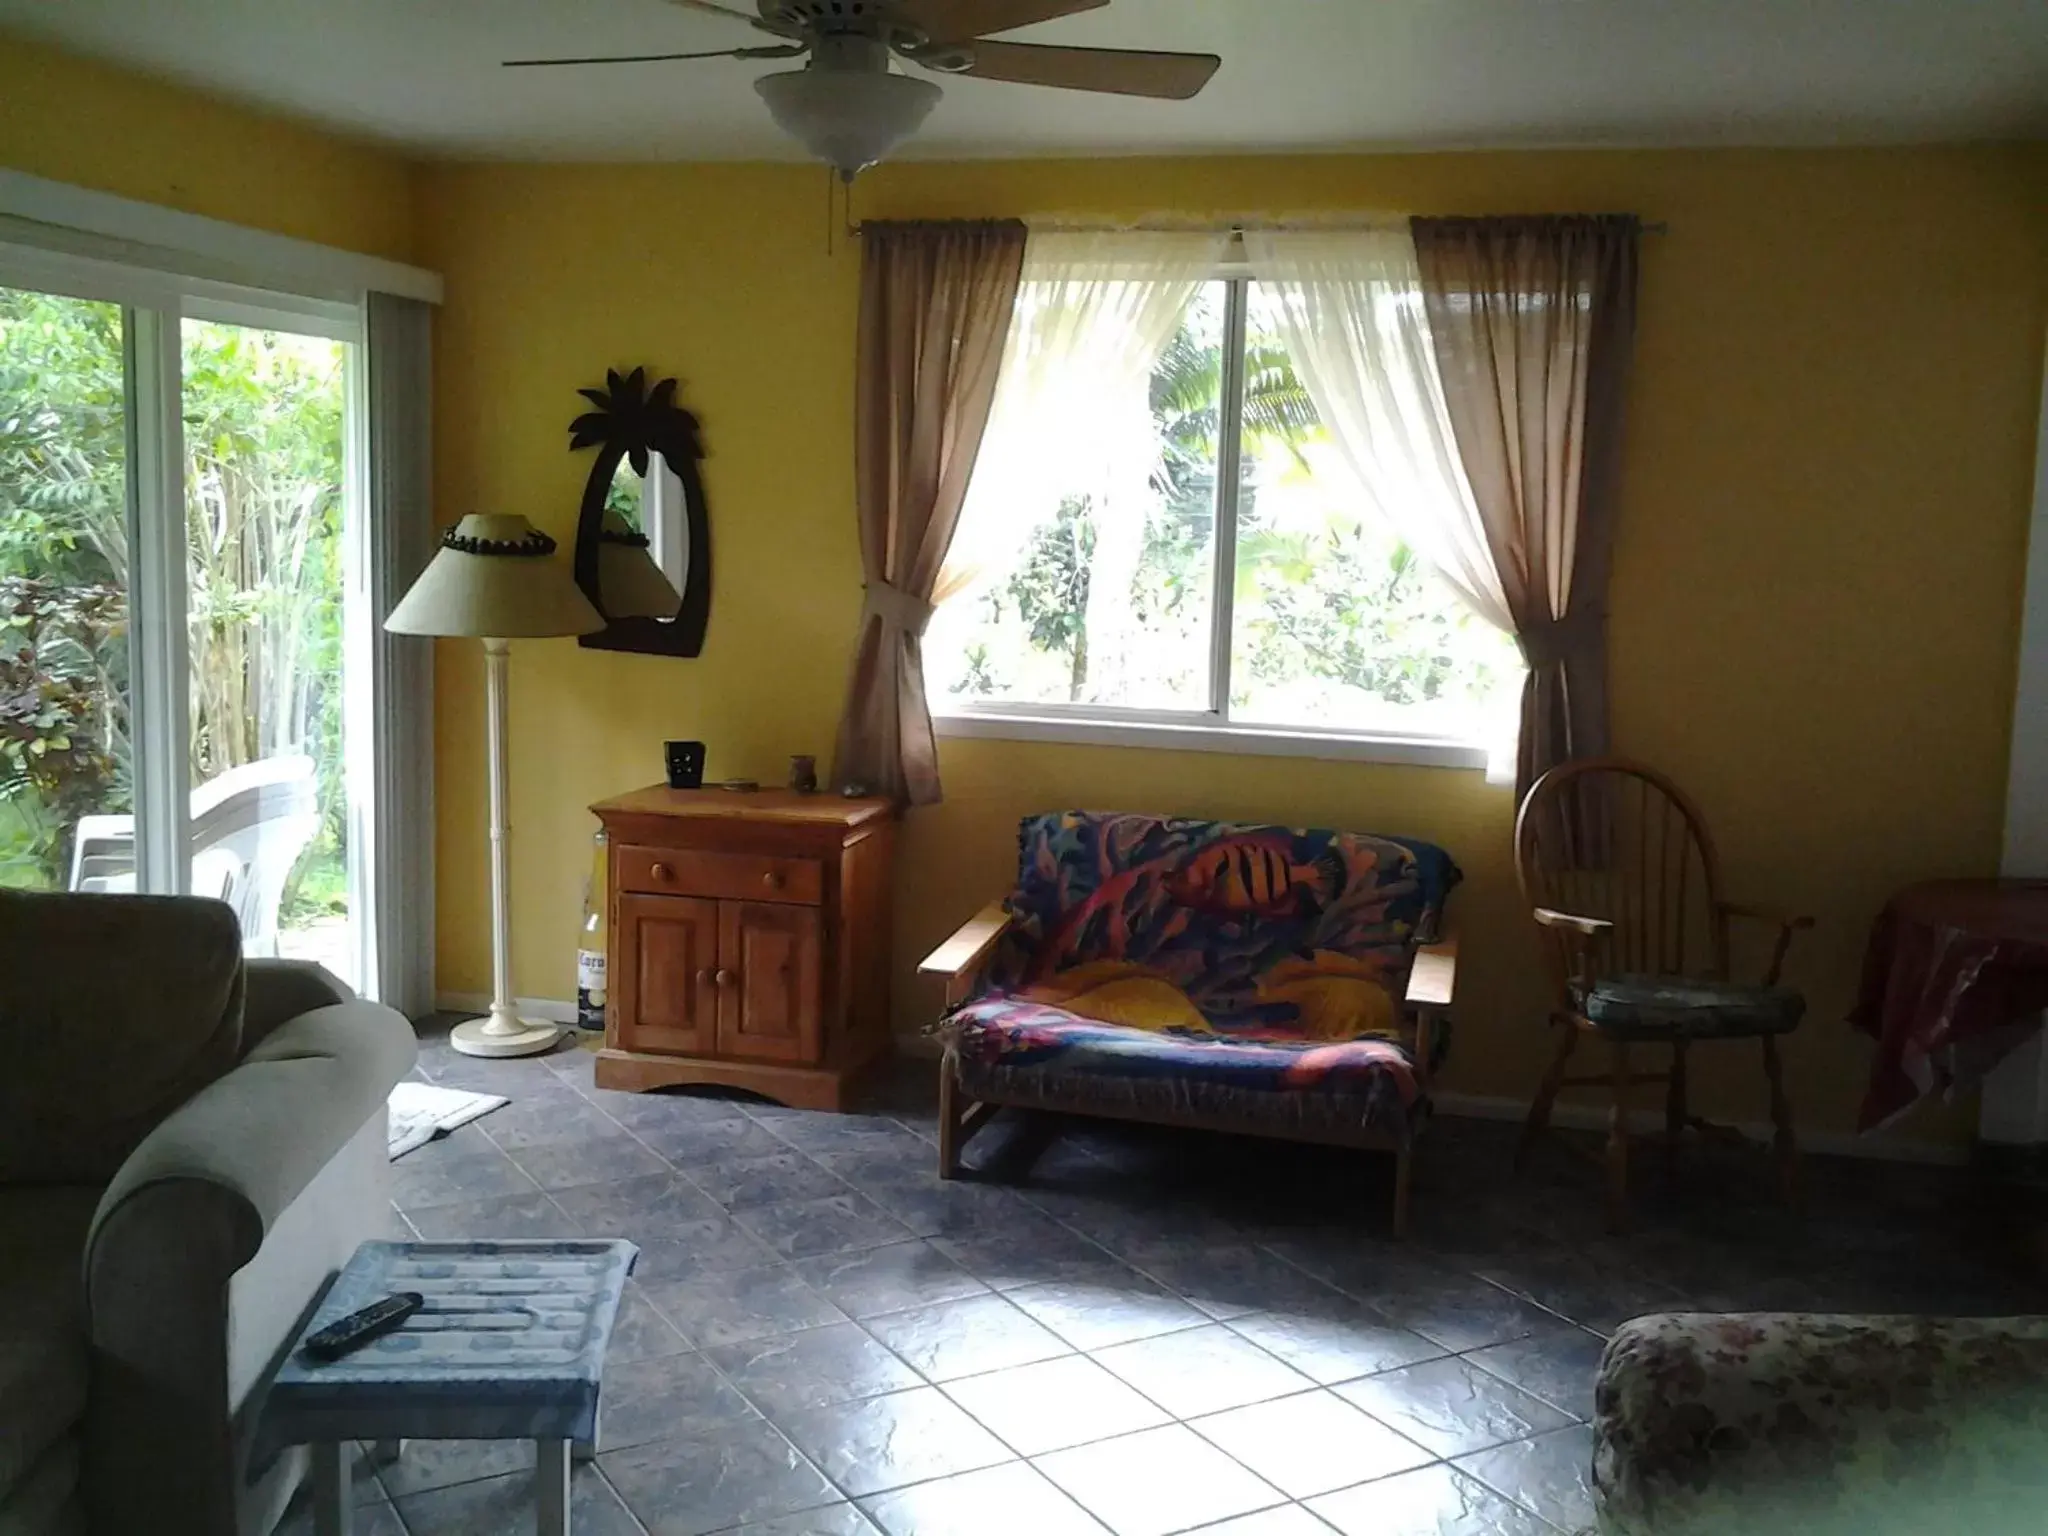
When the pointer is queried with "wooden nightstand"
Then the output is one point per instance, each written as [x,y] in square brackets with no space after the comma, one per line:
[749,941]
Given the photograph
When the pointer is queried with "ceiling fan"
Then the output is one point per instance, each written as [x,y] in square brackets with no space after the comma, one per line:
[849,109]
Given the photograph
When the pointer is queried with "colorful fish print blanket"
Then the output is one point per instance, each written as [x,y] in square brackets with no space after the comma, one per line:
[1264,957]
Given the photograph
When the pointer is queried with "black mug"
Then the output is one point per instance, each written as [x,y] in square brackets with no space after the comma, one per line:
[685,764]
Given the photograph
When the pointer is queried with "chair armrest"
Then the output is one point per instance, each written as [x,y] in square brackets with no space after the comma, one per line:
[1786,923]
[961,957]
[192,1205]
[1579,936]
[1433,978]
[1571,922]
[1765,915]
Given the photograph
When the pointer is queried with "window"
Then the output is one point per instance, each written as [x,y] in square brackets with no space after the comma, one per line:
[1183,550]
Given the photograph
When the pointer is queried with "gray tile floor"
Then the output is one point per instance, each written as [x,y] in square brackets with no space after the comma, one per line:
[1106,1327]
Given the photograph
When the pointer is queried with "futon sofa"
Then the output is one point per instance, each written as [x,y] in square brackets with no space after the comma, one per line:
[190,1147]
[1789,1424]
[1227,976]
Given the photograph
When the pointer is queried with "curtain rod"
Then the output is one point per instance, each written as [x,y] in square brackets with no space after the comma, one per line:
[1196,227]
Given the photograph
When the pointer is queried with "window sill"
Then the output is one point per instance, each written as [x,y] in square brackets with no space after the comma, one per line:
[1254,741]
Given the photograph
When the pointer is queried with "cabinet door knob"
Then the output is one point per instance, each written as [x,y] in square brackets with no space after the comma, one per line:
[773,880]
[661,872]
[704,976]
[724,977]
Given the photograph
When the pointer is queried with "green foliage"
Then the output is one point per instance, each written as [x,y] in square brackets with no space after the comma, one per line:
[1050,588]
[57,740]
[1335,605]
[627,496]
[262,424]
[1333,615]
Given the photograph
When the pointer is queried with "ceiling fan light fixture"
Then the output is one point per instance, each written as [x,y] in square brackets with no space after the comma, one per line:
[849,119]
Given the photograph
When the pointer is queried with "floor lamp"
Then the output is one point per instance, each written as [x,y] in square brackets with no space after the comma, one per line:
[495,579]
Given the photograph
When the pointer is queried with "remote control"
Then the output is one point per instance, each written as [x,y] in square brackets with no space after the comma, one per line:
[358,1328]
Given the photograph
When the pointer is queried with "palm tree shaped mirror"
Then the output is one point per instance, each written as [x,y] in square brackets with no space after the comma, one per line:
[643,501]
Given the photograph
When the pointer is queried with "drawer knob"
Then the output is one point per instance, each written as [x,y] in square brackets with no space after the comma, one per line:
[724,977]
[662,872]
[773,880]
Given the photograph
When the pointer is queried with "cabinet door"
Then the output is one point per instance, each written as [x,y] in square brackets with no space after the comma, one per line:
[664,990]
[768,1004]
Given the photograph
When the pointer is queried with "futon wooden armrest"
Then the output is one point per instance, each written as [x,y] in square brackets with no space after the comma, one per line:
[1433,978]
[961,956]
[1765,915]
[1587,927]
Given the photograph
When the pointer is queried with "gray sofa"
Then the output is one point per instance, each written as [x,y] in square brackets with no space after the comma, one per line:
[1795,1424]
[190,1147]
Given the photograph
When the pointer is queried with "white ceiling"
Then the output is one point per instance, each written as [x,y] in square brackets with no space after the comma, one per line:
[1297,74]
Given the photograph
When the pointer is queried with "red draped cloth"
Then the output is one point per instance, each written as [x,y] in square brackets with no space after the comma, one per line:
[1955,976]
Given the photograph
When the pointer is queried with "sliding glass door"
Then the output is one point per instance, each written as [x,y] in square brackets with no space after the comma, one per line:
[180,609]
[266,512]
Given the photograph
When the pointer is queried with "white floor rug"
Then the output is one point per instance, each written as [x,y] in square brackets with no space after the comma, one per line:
[420,1112]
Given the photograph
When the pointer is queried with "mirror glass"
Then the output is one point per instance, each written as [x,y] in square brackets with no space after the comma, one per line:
[655,507]
[628,496]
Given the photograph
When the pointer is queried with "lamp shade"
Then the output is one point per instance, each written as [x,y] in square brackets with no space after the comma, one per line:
[848,118]
[495,576]
[631,584]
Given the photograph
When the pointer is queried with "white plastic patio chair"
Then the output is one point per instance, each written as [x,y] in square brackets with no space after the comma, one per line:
[248,828]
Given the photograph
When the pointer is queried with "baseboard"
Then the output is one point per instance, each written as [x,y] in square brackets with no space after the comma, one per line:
[1593,1117]
[553,1010]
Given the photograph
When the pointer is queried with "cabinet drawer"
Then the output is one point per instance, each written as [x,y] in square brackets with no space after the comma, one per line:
[735,876]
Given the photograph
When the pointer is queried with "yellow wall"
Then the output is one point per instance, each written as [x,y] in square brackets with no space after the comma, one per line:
[1816,587]
[71,119]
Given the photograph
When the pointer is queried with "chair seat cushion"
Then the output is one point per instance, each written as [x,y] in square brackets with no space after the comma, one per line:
[1663,1007]
[43,1358]
[1035,1052]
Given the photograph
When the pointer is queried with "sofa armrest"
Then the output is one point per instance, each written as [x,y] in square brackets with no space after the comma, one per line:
[961,957]
[1783,1422]
[192,1205]
[278,990]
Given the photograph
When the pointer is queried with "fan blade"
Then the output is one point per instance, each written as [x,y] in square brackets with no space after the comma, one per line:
[659,58]
[716,9]
[960,21]
[758,23]
[1117,71]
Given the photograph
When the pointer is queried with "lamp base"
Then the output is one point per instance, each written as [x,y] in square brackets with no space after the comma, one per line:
[503,1034]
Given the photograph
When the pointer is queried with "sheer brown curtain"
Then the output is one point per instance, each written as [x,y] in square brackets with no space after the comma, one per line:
[935,307]
[1533,321]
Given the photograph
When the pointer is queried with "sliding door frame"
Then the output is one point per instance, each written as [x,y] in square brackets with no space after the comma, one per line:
[154,307]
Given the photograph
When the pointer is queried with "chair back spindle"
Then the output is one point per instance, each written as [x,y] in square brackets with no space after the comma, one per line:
[1616,840]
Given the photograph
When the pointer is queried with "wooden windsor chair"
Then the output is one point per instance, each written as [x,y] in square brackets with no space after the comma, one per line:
[1621,876]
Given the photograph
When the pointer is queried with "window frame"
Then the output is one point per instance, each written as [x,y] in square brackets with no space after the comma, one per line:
[1211,729]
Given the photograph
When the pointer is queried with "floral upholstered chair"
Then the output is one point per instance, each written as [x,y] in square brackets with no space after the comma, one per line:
[1789,1424]
[1211,974]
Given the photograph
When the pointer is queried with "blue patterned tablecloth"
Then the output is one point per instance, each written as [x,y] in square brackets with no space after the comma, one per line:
[509,1346]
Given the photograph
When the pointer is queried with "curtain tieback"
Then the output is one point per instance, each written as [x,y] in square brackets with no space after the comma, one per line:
[893,605]
[1555,640]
